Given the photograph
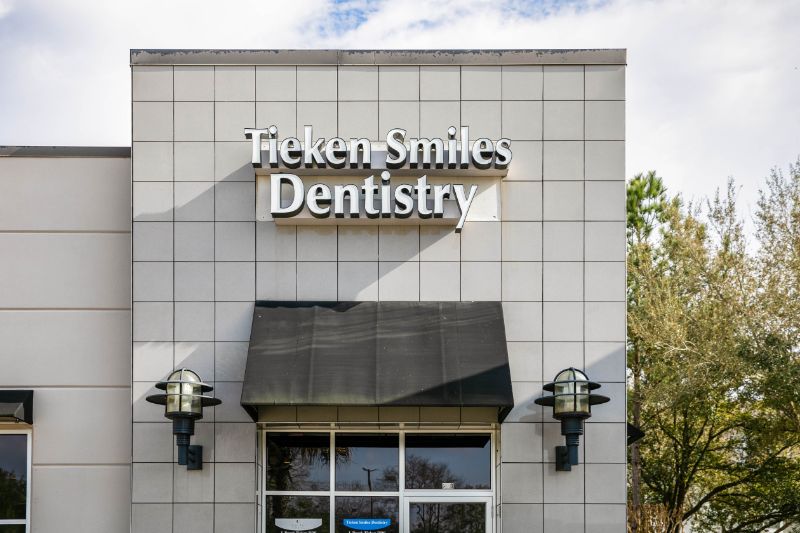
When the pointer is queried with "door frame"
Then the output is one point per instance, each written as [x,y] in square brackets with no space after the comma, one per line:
[444,498]
[403,494]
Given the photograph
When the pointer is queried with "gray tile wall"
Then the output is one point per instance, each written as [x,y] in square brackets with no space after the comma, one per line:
[65,332]
[555,259]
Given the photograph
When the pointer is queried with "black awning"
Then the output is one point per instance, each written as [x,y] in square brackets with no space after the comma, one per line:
[16,406]
[378,354]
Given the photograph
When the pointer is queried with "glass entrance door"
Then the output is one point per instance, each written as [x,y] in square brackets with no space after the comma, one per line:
[387,482]
[447,515]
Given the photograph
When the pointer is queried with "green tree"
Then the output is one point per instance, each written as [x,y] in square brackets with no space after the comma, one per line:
[646,205]
[713,359]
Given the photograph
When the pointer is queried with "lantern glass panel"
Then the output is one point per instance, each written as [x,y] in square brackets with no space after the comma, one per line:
[564,404]
[173,403]
[582,403]
[582,399]
[571,391]
[190,403]
[173,398]
[183,393]
[565,387]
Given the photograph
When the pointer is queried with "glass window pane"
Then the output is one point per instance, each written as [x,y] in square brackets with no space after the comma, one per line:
[367,462]
[297,461]
[447,517]
[12,528]
[288,514]
[364,513]
[13,476]
[441,461]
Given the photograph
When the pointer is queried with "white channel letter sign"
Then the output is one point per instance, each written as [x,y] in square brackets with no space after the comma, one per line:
[375,197]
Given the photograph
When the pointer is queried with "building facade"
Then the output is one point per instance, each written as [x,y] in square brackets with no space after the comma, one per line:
[65,335]
[524,247]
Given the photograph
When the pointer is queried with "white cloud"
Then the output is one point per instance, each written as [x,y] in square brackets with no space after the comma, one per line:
[5,7]
[711,85]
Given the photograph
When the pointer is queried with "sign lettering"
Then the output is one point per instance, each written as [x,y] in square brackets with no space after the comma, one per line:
[375,197]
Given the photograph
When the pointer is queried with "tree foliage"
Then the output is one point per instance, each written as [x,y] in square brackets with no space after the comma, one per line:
[714,359]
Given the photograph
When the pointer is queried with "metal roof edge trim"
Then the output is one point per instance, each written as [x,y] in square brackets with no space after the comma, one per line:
[596,56]
[66,151]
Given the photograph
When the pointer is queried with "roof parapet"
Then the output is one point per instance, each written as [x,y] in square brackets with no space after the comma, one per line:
[66,151]
[599,56]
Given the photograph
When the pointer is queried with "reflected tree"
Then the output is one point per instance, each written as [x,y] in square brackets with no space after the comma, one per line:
[422,473]
[448,518]
[300,467]
[12,495]
[376,480]
[440,517]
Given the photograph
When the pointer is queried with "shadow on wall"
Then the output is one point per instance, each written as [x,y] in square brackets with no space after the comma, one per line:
[215,221]
[201,260]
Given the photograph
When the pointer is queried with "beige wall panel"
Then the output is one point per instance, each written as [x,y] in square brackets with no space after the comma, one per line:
[85,499]
[51,348]
[82,426]
[64,270]
[77,194]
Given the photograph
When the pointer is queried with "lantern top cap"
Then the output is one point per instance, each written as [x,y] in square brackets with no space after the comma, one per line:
[570,375]
[184,376]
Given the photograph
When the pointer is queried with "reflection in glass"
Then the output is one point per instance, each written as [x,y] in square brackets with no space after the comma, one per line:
[433,460]
[297,461]
[447,517]
[367,462]
[373,512]
[13,477]
[287,514]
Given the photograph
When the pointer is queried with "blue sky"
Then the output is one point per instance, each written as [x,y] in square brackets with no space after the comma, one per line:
[712,84]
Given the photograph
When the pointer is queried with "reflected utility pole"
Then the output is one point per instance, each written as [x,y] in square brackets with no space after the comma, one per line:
[369,472]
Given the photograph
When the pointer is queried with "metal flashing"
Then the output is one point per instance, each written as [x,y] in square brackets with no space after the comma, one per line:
[16,406]
[65,151]
[597,56]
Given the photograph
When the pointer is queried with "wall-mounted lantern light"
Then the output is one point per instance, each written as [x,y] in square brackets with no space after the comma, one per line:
[183,403]
[572,403]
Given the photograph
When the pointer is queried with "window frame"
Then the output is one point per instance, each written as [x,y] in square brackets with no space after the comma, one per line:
[485,500]
[403,495]
[28,452]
